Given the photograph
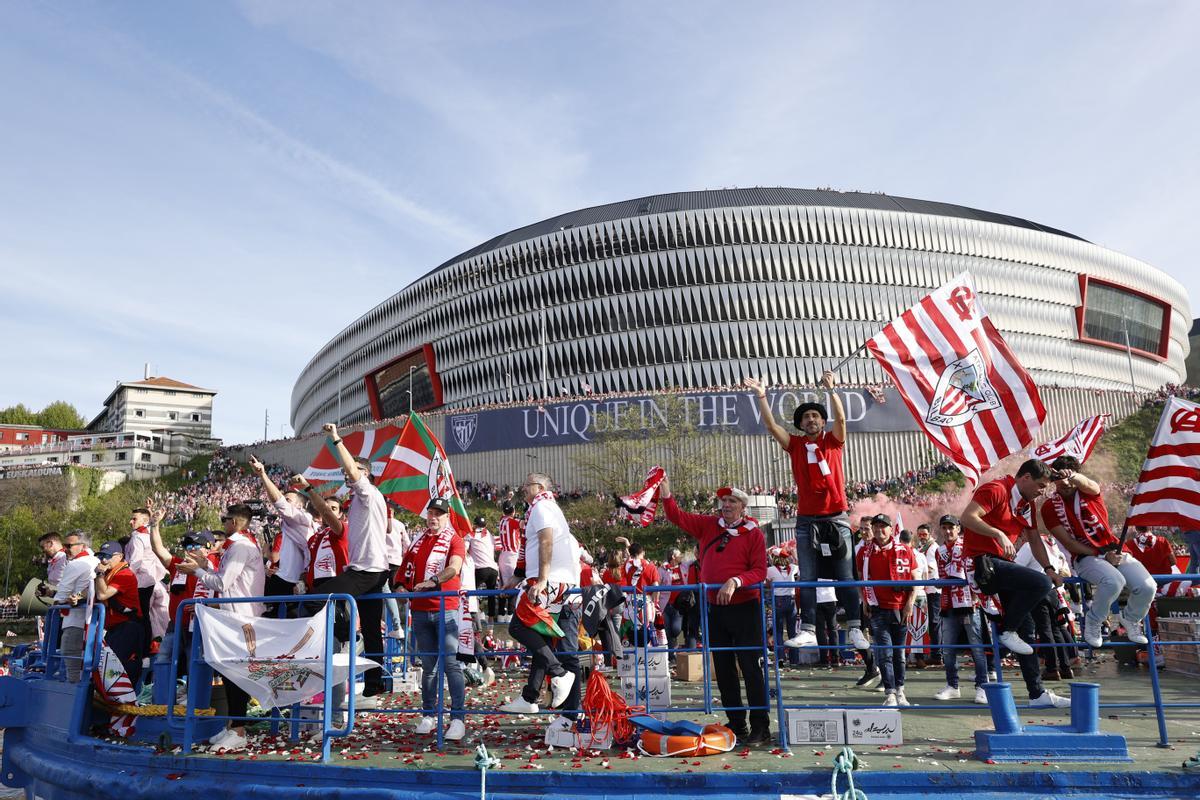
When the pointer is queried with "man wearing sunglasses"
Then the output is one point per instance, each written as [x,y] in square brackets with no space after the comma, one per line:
[732,555]
[74,587]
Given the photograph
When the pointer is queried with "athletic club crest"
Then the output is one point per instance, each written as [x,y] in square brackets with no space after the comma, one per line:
[962,391]
[464,428]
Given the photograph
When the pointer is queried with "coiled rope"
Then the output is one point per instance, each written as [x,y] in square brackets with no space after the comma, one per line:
[844,763]
[483,762]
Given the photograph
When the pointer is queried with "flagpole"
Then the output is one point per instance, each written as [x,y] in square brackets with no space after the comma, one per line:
[410,377]
[847,359]
[1129,355]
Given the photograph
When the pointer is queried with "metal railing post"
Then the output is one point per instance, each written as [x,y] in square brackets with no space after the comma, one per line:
[780,717]
[441,670]
[1159,712]
[705,649]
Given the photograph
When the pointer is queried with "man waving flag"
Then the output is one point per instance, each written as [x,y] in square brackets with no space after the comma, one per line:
[417,470]
[959,378]
[325,473]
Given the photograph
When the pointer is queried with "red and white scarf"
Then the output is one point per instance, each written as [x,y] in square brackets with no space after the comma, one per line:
[1021,508]
[868,551]
[642,505]
[818,469]
[431,548]
[248,536]
[1094,531]
[537,498]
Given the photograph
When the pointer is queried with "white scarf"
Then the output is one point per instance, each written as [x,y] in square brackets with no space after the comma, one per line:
[1021,508]
[818,469]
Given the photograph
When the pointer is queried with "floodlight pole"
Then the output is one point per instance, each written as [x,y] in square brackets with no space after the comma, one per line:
[410,379]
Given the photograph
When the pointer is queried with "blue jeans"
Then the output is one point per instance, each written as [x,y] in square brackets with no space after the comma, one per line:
[672,625]
[887,629]
[425,629]
[785,628]
[843,570]
[954,624]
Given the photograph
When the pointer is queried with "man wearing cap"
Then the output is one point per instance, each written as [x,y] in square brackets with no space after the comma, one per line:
[822,525]
[116,587]
[240,574]
[960,613]
[75,585]
[434,563]
[1000,512]
[291,544]
[551,573]
[1077,517]
[182,586]
[481,546]
[732,553]
[886,559]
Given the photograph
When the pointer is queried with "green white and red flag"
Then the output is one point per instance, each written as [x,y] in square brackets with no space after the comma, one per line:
[325,473]
[418,471]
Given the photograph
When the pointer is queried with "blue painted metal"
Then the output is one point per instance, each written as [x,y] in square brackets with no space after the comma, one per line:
[1079,741]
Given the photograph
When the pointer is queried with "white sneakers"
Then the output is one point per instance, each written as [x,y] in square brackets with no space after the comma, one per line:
[856,639]
[1015,643]
[560,687]
[519,705]
[948,692]
[890,701]
[1049,699]
[489,676]
[1133,630]
[900,698]
[1091,633]
[227,741]
[455,731]
[991,677]
[980,696]
[426,726]
[804,639]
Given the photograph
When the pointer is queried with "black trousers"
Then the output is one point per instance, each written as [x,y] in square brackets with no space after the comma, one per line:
[488,578]
[144,597]
[934,604]
[552,658]
[1045,618]
[277,586]
[127,641]
[238,702]
[370,616]
[739,625]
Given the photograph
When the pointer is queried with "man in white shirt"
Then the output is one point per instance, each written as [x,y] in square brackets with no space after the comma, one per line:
[75,587]
[145,565]
[241,574]
[927,545]
[296,528]
[56,557]
[366,571]
[481,547]
[551,572]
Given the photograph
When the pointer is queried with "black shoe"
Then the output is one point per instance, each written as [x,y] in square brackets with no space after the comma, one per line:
[740,731]
[759,736]
[869,680]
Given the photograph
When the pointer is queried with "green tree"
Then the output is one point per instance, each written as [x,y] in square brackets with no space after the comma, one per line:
[17,415]
[61,414]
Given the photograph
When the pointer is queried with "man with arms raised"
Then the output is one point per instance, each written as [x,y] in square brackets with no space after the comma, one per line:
[999,513]
[551,571]
[296,528]
[732,553]
[1077,517]
[822,526]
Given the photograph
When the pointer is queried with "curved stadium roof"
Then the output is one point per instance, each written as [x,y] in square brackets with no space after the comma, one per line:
[756,196]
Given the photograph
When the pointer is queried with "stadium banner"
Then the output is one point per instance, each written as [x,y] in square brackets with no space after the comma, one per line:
[576,421]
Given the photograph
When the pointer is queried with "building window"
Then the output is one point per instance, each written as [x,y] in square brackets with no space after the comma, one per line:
[22,437]
[53,459]
[195,417]
[122,456]
[139,412]
[171,415]
[146,457]
[74,459]
[97,457]
[1110,313]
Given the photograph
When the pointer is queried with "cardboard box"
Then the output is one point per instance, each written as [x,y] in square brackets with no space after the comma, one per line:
[579,736]
[643,662]
[689,667]
[816,726]
[873,726]
[654,696]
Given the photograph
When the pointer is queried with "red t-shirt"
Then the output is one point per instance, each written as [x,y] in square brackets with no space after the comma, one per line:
[428,556]
[1083,516]
[892,562]
[611,575]
[185,587]
[631,575]
[813,501]
[1156,556]
[125,604]
[585,573]
[1000,502]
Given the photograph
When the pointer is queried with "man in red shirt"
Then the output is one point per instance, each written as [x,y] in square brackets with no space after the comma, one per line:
[1000,512]
[434,563]
[182,586]
[822,526]
[1076,515]
[885,559]
[1155,554]
[116,587]
[732,553]
[510,544]
[640,609]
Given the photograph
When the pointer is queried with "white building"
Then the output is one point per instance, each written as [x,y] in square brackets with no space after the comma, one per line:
[156,405]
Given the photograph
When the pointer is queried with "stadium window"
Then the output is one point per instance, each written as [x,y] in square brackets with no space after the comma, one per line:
[1109,312]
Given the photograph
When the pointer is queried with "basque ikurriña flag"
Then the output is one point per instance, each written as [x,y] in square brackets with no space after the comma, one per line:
[959,378]
[418,470]
[1168,490]
[325,472]
[1077,442]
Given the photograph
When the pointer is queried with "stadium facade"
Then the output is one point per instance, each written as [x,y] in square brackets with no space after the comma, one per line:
[694,291]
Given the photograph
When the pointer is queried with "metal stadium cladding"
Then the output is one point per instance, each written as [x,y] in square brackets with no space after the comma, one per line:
[697,290]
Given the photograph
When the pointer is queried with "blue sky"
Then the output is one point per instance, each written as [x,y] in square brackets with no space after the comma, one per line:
[219,188]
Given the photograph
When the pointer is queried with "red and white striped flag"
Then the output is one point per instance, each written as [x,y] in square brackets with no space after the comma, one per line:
[959,378]
[1168,490]
[1078,442]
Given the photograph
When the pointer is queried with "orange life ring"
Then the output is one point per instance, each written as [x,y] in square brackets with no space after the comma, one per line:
[712,740]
